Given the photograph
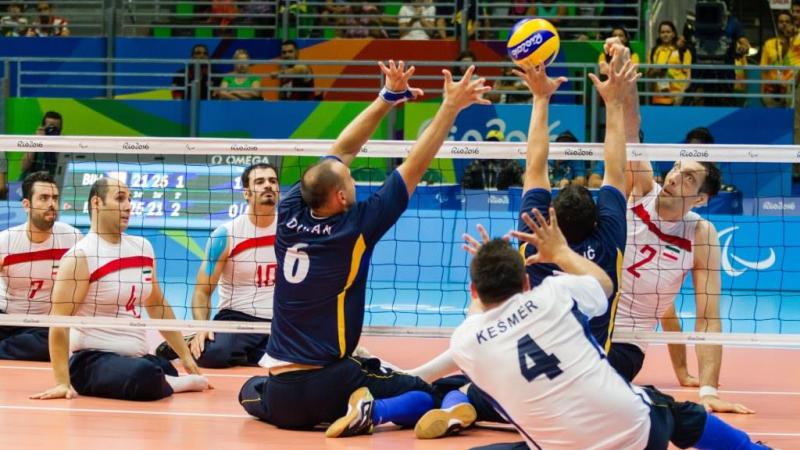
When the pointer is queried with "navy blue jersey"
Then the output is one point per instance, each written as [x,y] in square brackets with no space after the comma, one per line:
[322,273]
[605,246]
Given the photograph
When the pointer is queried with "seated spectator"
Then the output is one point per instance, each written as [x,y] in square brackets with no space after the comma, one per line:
[667,51]
[484,173]
[782,50]
[563,173]
[464,60]
[624,37]
[450,21]
[240,85]
[509,82]
[14,23]
[365,22]
[417,20]
[182,82]
[296,80]
[46,24]
[334,13]
[796,14]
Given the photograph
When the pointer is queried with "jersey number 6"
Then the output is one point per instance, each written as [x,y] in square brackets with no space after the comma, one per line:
[295,264]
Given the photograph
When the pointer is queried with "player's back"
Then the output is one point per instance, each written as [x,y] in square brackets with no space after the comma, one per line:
[533,356]
[604,246]
[322,273]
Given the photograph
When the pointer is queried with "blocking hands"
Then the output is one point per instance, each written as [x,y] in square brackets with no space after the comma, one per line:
[540,85]
[545,235]
[397,76]
[466,91]
[619,81]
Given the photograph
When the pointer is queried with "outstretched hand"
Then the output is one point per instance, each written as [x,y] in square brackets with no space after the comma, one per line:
[716,404]
[466,91]
[397,77]
[471,245]
[619,81]
[60,391]
[537,80]
[545,236]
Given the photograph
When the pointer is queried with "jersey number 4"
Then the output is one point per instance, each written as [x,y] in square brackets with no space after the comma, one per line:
[543,364]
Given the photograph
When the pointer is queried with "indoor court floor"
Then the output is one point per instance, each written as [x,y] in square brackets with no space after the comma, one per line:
[767,380]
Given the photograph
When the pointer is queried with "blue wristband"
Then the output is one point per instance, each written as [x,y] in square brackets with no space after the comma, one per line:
[395,97]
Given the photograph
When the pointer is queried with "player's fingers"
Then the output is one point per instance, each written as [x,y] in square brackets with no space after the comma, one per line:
[72,393]
[471,240]
[383,67]
[741,409]
[401,66]
[519,73]
[210,335]
[417,92]
[392,67]
[595,80]
[525,237]
[529,221]
[468,249]
[483,233]
[448,77]
[539,218]
[410,71]
[553,218]
[468,73]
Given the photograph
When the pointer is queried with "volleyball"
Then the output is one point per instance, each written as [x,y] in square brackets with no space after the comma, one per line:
[533,41]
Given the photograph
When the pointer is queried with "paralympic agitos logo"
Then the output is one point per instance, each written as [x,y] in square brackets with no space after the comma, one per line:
[727,256]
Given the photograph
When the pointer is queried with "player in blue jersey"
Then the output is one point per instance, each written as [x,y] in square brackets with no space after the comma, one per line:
[324,243]
[596,231]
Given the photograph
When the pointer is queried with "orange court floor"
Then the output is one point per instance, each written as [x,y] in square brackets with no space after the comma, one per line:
[767,380]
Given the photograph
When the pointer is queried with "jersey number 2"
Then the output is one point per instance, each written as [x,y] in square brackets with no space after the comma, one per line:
[543,363]
[649,253]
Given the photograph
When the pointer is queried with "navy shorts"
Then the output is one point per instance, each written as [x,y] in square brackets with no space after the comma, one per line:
[234,349]
[626,359]
[110,375]
[303,399]
[24,343]
[681,423]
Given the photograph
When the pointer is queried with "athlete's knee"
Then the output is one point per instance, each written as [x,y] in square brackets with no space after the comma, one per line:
[216,355]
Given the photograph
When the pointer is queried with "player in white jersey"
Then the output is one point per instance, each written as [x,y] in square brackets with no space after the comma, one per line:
[29,257]
[112,274]
[532,354]
[240,259]
[665,241]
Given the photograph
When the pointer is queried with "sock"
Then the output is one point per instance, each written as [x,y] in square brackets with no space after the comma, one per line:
[404,410]
[453,398]
[187,383]
[718,435]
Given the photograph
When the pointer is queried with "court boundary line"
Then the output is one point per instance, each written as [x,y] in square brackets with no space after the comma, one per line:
[244,376]
[125,411]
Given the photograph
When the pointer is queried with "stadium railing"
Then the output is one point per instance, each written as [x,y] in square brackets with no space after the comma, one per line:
[84,17]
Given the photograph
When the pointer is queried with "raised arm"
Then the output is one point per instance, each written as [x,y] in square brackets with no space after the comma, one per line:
[457,96]
[542,87]
[552,247]
[69,292]
[621,78]
[158,308]
[707,285]
[358,132]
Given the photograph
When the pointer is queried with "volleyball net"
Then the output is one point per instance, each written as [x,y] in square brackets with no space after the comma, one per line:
[182,189]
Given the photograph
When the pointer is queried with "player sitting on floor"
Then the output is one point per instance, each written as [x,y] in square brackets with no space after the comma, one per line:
[532,355]
[240,258]
[324,243]
[112,274]
[29,256]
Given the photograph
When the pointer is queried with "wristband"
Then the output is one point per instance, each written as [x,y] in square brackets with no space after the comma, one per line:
[708,390]
[395,98]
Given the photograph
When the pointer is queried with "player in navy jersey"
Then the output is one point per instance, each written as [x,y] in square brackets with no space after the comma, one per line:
[594,230]
[324,243]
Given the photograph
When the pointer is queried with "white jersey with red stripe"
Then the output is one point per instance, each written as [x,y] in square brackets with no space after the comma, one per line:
[121,277]
[658,254]
[247,283]
[29,269]
[535,358]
